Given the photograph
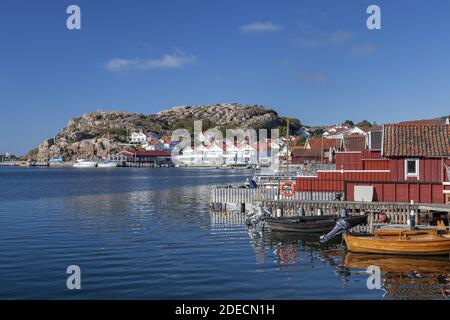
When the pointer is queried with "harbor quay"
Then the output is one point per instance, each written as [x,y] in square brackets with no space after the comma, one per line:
[245,200]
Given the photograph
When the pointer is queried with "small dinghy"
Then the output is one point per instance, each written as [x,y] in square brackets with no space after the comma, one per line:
[404,242]
[311,224]
[428,241]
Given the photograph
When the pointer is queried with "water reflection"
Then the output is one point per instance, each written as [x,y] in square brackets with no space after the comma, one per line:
[402,277]
[148,234]
[407,277]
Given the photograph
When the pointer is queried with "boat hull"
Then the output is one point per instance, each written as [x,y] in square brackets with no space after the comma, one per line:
[107,164]
[431,245]
[87,164]
[310,224]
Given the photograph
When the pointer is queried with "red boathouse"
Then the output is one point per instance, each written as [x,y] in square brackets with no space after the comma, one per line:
[403,162]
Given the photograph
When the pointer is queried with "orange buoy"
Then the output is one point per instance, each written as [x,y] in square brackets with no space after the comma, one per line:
[287,188]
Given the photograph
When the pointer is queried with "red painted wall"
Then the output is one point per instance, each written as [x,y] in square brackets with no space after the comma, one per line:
[349,161]
[388,186]
[400,192]
[430,170]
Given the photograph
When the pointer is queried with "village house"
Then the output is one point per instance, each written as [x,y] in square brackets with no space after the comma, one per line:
[402,163]
[225,153]
[139,157]
[168,143]
[7,157]
[138,138]
[320,150]
[336,132]
[153,145]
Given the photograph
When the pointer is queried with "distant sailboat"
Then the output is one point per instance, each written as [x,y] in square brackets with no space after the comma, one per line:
[107,163]
[84,163]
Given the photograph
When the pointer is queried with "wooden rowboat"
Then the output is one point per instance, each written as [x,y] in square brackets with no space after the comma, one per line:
[402,242]
[310,224]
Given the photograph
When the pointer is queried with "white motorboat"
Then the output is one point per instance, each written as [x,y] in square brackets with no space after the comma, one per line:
[107,164]
[83,163]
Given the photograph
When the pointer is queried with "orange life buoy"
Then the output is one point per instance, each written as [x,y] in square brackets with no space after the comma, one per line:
[287,188]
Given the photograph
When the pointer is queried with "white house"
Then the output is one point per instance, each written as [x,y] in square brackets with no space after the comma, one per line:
[220,153]
[248,154]
[138,138]
[357,131]
[168,143]
[337,132]
[231,154]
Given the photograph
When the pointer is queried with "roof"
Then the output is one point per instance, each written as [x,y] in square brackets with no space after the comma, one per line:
[155,153]
[296,147]
[153,142]
[316,143]
[416,140]
[355,143]
[307,153]
[426,121]
[371,129]
[338,131]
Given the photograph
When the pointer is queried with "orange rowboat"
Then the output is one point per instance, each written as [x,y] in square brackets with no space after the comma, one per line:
[403,242]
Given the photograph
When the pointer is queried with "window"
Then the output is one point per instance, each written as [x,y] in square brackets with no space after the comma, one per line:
[411,168]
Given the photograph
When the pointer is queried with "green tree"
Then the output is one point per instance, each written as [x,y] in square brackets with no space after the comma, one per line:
[348,123]
[364,123]
[318,132]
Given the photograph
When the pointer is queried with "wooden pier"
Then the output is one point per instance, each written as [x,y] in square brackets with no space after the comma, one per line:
[23,164]
[243,195]
[315,203]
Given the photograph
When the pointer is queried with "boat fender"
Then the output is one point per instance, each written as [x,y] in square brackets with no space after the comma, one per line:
[301,212]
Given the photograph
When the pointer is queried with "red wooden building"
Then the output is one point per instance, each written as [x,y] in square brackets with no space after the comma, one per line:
[156,156]
[404,162]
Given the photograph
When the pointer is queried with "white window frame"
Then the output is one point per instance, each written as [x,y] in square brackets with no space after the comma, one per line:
[412,175]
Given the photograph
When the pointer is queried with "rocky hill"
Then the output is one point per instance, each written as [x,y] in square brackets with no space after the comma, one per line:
[87,136]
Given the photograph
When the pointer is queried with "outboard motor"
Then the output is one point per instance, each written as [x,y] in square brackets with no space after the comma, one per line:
[341,226]
[257,217]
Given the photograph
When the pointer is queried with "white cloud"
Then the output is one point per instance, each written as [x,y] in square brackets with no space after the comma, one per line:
[260,27]
[362,49]
[318,39]
[167,61]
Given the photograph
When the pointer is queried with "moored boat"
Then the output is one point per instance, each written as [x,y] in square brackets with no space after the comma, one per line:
[402,242]
[82,163]
[107,164]
[311,224]
[25,164]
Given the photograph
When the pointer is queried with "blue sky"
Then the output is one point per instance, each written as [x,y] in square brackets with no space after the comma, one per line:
[314,60]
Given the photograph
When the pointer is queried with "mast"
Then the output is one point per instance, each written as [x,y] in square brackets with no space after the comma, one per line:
[107,149]
[287,148]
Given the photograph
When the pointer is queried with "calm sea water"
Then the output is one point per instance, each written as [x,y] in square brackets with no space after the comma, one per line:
[148,234]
